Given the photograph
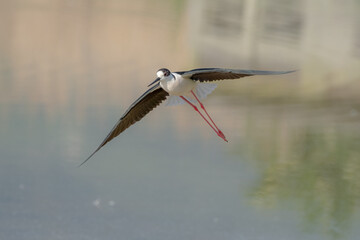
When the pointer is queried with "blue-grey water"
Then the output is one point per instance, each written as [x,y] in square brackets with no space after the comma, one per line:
[70,69]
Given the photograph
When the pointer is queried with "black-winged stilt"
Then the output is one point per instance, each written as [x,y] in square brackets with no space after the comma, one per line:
[178,87]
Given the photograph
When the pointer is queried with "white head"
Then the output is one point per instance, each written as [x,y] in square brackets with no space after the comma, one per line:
[163,72]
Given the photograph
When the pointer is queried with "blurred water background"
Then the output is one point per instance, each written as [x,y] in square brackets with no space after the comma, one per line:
[69,69]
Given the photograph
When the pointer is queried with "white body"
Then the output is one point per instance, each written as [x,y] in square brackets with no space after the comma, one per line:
[176,86]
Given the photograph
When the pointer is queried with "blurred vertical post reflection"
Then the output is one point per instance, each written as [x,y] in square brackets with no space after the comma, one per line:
[320,39]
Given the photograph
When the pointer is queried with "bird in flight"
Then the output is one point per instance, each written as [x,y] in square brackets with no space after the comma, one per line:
[177,88]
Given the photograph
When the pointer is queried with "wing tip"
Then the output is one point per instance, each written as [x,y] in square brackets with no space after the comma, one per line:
[290,71]
[88,158]
[256,72]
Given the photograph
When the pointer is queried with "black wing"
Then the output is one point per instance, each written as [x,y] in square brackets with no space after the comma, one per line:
[142,106]
[214,74]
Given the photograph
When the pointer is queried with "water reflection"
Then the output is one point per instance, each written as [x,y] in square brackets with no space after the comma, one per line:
[309,157]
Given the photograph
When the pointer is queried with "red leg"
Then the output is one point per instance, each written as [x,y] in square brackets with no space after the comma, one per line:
[220,133]
[196,109]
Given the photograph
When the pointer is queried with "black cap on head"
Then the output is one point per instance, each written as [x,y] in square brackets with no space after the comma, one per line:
[165,71]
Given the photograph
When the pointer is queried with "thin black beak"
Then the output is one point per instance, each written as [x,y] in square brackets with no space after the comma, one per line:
[156,80]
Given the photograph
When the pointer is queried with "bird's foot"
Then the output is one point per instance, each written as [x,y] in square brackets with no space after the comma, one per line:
[221,134]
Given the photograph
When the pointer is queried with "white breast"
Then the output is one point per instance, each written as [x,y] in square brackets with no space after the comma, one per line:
[177,85]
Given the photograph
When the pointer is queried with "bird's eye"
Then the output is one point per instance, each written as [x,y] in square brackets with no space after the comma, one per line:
[166,73]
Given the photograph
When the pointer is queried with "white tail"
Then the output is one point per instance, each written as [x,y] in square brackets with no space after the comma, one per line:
[204,89]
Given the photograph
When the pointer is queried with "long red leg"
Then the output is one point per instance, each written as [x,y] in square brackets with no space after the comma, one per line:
[196,109]
[220,133]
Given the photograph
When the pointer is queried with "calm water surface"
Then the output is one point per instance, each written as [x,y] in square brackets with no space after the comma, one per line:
[289,171]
